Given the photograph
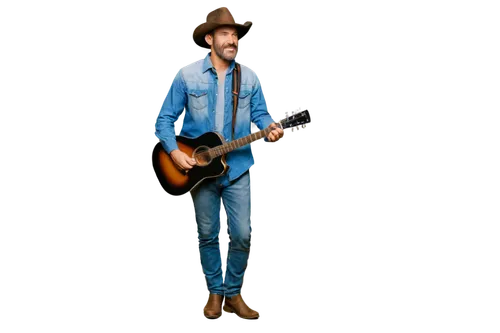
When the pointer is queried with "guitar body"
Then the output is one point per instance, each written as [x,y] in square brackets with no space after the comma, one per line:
[177,182]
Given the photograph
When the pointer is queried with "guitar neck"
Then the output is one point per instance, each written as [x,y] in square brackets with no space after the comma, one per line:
[235,144]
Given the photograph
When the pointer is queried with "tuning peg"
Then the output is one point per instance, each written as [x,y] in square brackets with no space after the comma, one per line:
[293,128]
[303,125]
[297,128]
[286,114]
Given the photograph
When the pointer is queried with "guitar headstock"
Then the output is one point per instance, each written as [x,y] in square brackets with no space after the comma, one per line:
[296,119]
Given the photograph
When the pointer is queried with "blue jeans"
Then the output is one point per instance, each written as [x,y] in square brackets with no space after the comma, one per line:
[236,199]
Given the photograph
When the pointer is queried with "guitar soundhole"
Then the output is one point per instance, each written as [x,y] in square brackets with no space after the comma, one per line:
[202,156]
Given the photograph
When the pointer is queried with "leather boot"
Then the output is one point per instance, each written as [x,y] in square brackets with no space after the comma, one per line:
[237,305]
[213,308]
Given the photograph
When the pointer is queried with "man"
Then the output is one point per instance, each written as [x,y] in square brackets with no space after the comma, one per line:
[204,90]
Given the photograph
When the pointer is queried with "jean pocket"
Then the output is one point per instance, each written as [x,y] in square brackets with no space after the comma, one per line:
[244,99]
[198,99]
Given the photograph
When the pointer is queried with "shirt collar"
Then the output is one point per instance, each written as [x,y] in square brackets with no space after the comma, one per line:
[207,64]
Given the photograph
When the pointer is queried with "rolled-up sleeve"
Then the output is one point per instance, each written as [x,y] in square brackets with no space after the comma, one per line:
[172,108]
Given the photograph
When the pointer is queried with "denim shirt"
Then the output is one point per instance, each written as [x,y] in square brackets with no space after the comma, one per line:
[194,89]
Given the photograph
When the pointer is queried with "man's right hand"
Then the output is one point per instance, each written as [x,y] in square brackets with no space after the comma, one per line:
[182,160]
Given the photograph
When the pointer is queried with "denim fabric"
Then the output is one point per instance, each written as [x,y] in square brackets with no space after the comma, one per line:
[194,89]
[236,199]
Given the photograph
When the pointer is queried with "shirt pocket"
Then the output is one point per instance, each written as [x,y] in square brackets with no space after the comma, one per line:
[244,99]
[198,99]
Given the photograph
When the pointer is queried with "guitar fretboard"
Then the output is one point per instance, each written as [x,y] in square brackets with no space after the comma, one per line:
[235,144]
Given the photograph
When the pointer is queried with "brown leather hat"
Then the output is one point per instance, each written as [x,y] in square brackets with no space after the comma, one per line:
[215,19]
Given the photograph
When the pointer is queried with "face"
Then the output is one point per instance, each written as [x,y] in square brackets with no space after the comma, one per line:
[224,43]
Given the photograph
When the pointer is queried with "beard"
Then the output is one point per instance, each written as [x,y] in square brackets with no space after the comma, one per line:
[220,51]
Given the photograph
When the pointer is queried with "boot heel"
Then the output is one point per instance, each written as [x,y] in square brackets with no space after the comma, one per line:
[228,309]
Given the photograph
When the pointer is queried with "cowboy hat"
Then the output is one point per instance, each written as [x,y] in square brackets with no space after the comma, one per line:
[215,19]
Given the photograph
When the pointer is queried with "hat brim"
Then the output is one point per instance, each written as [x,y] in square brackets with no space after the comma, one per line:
[204,28]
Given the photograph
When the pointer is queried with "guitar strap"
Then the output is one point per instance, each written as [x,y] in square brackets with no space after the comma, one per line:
[236,92]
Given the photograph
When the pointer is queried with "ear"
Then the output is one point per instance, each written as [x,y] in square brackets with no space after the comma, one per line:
[209,39]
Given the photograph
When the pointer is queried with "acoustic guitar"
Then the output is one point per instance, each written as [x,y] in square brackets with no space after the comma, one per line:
[209,152]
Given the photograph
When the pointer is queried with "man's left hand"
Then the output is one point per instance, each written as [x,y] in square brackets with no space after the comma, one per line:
[275,134]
